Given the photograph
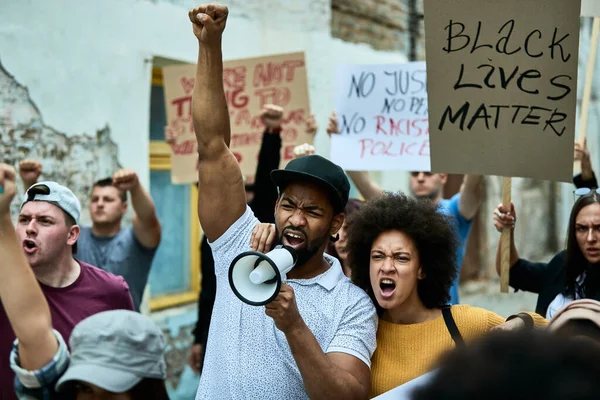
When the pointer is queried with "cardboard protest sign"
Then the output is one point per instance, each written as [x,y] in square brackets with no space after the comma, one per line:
[502,83]
[382,117]
[249,84]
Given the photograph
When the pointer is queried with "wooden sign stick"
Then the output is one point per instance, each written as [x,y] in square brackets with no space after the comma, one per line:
[587,89]
[505,237]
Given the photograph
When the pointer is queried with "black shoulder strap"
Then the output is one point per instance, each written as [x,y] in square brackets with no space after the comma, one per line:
[452,328]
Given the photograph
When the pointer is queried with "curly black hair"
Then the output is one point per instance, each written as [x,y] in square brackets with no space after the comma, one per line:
[433,233]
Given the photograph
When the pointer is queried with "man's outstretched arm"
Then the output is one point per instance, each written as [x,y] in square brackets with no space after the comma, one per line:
[221,196]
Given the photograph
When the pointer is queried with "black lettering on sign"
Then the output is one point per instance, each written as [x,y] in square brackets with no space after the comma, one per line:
[356,124]
[502,45]
[522,115]
[567,89]
[363,86]
[404,82]
[395,105]
[502,70]
[459,35]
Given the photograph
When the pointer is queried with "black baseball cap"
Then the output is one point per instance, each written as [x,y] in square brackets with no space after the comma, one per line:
[320,171]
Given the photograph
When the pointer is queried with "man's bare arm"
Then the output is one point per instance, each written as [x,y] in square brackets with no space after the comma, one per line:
[365,185]
[29,171]
[471,194]
[328,376]
[22,298]
[221,196]
[146,226]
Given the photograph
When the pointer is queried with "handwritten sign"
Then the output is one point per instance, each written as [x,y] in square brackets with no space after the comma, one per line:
[502,83]
[249,84]
[382,117]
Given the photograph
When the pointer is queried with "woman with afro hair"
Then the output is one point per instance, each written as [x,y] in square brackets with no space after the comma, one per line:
[402,252]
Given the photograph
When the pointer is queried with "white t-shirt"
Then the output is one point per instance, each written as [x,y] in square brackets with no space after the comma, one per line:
[247,357]
[561,300]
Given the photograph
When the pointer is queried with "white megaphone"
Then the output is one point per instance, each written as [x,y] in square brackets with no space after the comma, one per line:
[256,278]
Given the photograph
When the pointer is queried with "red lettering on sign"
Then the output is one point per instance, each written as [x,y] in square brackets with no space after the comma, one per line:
[234,77]
[402,127]
[181,102]
[274,73]
[185,147]
[236,98]
[278,96]
[288,152]
[391,148]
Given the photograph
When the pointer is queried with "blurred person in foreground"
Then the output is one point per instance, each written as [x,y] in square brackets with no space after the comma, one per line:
[517,365]
[316,338]
[112,352]
[402,252]
[578,319]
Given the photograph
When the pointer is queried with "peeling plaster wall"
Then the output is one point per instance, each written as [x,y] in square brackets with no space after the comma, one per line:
[74,161]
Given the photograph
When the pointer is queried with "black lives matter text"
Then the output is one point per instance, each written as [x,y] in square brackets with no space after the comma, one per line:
[543,92]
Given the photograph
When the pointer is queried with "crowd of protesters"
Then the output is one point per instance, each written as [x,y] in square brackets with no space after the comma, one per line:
[371,304]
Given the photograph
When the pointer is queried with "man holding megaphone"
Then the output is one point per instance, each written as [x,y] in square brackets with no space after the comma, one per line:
[315,338]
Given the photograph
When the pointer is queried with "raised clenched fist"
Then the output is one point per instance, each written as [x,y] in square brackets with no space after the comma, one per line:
[303,150]
[272,116]
[332,126]
[29,171]
[311,125]
[208,22]
[170,135]
[7,187]
[125,179]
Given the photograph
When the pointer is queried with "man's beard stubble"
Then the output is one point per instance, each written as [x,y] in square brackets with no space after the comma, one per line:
[430,196]
[307,251]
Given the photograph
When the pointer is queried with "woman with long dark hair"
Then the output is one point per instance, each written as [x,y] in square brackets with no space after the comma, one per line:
[571,274]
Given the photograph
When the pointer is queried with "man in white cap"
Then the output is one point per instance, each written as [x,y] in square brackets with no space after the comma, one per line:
[47,230]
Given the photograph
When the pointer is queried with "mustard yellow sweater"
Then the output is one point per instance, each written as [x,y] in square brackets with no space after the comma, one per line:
[405,352]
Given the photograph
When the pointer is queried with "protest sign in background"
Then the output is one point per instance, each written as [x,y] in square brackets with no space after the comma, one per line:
[249,84]
[502,83]
[382,117]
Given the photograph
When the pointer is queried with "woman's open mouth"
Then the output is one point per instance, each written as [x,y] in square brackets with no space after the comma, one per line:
[387,287]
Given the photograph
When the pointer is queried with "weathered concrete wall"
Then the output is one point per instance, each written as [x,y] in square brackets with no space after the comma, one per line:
[74,161]
[383,24]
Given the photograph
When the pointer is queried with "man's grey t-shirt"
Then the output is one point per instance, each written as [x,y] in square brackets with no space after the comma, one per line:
[248,358]
[122,255]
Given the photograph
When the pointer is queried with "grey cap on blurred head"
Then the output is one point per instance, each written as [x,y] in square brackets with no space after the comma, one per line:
[115,350]
[56,194]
